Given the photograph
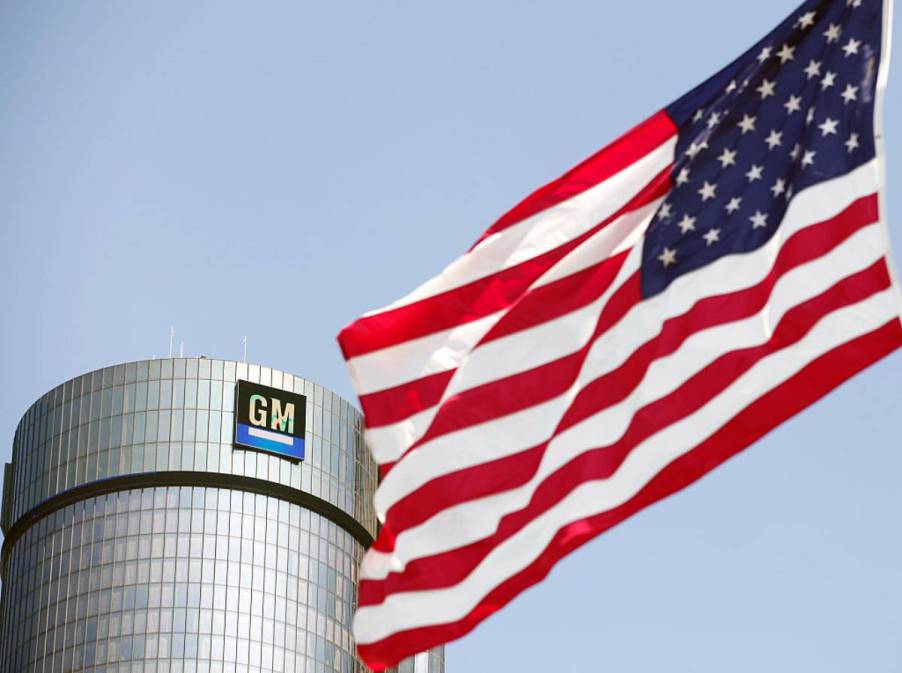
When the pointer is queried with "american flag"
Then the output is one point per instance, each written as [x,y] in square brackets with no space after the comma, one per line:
[627,328]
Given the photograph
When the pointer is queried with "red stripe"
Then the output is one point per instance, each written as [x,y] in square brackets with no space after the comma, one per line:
[626,150]
[801,248]
[531,387]
[534,386]
[538,306]
[548,302]
[809,385]
[450,568]
[522,390]
[477,299]
[396,404]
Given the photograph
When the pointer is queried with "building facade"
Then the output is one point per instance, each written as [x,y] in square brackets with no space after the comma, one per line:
[139,538]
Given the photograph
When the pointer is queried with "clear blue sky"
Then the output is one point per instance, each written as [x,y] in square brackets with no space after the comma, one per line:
[274,169]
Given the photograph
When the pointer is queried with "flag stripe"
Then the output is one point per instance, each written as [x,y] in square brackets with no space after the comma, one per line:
[516,469]
[559,298]
[817,379]
[389,441]
[678,358]
[602,165]
[516,254]
[516,392]
[444,454]
[451,567]
[508,355]
[403,611]
[537,383]
[424,350]
[395,404]
[401,415]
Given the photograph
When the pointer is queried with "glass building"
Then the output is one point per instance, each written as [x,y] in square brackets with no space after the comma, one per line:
[138,539]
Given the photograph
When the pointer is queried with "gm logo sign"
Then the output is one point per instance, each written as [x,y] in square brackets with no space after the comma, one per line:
[269,419]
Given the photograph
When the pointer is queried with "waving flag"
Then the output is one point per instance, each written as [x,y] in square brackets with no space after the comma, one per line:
[627,328]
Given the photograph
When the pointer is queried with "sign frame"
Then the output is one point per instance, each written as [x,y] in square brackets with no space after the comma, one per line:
[269,420]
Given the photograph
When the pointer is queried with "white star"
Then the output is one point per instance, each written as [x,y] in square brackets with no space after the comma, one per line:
[806,20]
[850,94]
[766,89]
[687,224]
[813,69]
[851,47]
[853,3]
[713,120]
[828,81]
[668,257]
[852,143]
[828,127]
[789,193]
[794,104]
[727,158]
[795,151]
[832,33]
[698,114]
[779,187]
[755,173]
[786,54]
[731,87]
[809,117]
[708,191]
[747,124]
[694,148]
[764,55]
[712,237]
[664,212]
[759,219]
[775,139]
[808,159]
[734,204]
[683,177]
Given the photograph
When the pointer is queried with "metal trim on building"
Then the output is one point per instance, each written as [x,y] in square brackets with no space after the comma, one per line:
[181,478]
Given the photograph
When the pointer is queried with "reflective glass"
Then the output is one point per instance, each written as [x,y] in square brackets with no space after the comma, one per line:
[95,586]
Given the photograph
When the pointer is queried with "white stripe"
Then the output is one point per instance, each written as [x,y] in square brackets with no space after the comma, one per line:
[388,443]
[548,229]
[271,436]
[469,522]
[442,351]
[620,235]
[549,341]
[414,359]
[482,443]
[405,611]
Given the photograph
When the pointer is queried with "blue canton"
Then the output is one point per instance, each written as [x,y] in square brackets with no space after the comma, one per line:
[795,110]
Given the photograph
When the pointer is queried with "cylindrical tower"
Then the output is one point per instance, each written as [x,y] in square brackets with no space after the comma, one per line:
[158,519]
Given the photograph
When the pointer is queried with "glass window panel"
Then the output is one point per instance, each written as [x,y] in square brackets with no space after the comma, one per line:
[166,394]
[178,393]
[203,394]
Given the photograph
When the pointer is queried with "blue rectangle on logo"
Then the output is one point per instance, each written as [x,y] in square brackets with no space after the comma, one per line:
[251,437]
